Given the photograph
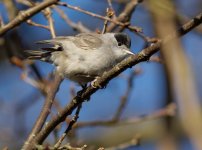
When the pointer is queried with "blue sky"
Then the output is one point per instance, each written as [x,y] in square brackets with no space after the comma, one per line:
[149,92]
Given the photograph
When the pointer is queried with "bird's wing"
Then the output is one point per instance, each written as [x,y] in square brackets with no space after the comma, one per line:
[55,41]
[87,41]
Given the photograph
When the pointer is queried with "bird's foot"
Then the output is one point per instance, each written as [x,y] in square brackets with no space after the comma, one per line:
[94,84]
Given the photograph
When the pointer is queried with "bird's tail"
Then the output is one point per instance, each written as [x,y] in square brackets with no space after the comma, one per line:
[45,53]
[40,55]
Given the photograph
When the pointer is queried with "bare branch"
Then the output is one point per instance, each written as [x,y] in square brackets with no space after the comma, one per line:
[64,147]
[109,13]
[76,26]
[48,14]
[132,28]
[125,14]
[25,15]
[169,110]
[72,122]
[110,5]
[125,97]
[52,90]
[157,59]
[30,22]
[133,142]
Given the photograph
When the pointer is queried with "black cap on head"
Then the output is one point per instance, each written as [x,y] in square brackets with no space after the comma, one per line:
[123,39]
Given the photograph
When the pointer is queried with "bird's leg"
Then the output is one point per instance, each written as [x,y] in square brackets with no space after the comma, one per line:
[79,93]
[83,88]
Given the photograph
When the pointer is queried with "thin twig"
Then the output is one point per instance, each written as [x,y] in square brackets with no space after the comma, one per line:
[132,28]
[125,15]
[146,38]
[132,143]
[76,26]
[72,122]
[109,13]
[48,15]
[110,6]
[169,110]
[26,2]
[125,97]
[30,22]
[64,147]
[157,59]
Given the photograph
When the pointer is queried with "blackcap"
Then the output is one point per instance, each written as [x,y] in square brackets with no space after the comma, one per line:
[86,56]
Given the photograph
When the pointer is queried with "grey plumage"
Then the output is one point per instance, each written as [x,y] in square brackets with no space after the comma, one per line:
[83,57]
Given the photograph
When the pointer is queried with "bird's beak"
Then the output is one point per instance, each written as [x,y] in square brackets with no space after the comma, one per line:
[129,52]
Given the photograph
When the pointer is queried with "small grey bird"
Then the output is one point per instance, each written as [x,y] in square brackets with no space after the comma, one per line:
[86,56]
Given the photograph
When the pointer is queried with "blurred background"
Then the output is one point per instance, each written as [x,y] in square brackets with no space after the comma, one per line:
[144,89]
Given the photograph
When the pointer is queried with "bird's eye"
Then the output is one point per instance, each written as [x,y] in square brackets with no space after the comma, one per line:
[119,43]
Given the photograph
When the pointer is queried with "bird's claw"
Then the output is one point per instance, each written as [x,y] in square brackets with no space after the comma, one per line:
[94,84]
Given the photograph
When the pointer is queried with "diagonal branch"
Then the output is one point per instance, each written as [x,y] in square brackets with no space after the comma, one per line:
[144,55]
[51,92]
[25,15]
[69,128]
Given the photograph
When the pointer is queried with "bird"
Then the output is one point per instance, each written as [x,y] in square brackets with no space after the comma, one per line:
[84,57]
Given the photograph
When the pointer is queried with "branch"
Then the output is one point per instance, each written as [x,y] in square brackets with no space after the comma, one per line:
[184,18]
[169,110]
[48,15]
[30,22]
[76,26]
[64,147]
[72,122]
[135,141]
[51,92]
[125,14]
[132,28]
[144,55]
[125,97]
[25,15]
[110,14]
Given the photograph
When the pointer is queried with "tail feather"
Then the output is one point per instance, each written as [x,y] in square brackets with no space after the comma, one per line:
[51,42]
[41,55]
[45,53]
